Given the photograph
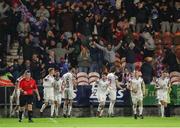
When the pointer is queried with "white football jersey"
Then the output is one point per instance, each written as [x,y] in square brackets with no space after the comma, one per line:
[48,81]
[57,86]
[102,85]
[163,83]
[68,80]
[137,86]
[112,80]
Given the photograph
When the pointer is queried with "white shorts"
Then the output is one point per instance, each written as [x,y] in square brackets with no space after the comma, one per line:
[162,96]
[48,94]
[112,94]
[69,94]
[101,97]
[58,98]
[136,99]
[15,97]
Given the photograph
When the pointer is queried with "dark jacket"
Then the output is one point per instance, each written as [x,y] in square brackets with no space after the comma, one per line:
[147,72]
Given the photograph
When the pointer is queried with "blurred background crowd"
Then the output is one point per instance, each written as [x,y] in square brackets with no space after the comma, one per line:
[90,35]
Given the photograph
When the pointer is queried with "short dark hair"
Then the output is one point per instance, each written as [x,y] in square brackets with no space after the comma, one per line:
[27,72]
[104,73]
[113,69]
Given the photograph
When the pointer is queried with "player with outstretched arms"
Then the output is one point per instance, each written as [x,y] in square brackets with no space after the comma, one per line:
[101,93]
[162,86]
[48,84]
[69,82]
[58,89]
[137,88]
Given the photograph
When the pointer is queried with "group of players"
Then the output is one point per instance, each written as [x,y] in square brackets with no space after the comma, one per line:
[56,88]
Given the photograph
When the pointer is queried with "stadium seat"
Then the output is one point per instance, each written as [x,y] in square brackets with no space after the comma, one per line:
[82,79]
[93,76]
[175,78]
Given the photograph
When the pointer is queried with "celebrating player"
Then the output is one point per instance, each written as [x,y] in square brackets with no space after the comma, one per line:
[101,93]
[27,86]
[112,89]
[162,86]
[48,84]
[58,89]
[69,83]
[15,97]
[137,88]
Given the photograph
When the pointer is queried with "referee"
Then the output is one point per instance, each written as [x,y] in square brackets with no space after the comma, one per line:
[27,87]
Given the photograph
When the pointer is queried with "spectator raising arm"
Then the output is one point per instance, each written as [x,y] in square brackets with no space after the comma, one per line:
[100,47]
[118,46]
[69,50]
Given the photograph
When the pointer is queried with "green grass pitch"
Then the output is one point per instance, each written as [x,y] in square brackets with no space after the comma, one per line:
[116,122]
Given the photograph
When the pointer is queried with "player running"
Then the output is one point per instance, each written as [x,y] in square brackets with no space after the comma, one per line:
[69,83]
[137,88]
[162,86]
[58,89]
[14,98]
[101,93]
[112,89]
[48,84]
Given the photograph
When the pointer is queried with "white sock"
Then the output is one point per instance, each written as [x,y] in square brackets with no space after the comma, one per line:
[64,109]
[111,107]
[43,107]
[57,110]
[99,108]
[52,109]
[140,110]
[101,112]
[162,110]
[135,109]
[69,109]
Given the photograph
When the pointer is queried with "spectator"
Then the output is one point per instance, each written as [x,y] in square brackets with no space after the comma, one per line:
[109,52]
[42,12]
[61,52]
[75,43]
[16,71]
[63,66]
[84,60]
[23,28]
[66,20]
[141,17]
[26,65]
[165,16]
[176,18]
[155,17]
[36,67]
[96,59]
[50,60]
[27,49]
[159,66]
[149,45]
[130,57]
[147,70]
[170,60]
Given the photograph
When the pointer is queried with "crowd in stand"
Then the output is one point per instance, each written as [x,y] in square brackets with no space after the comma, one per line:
[91,35]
